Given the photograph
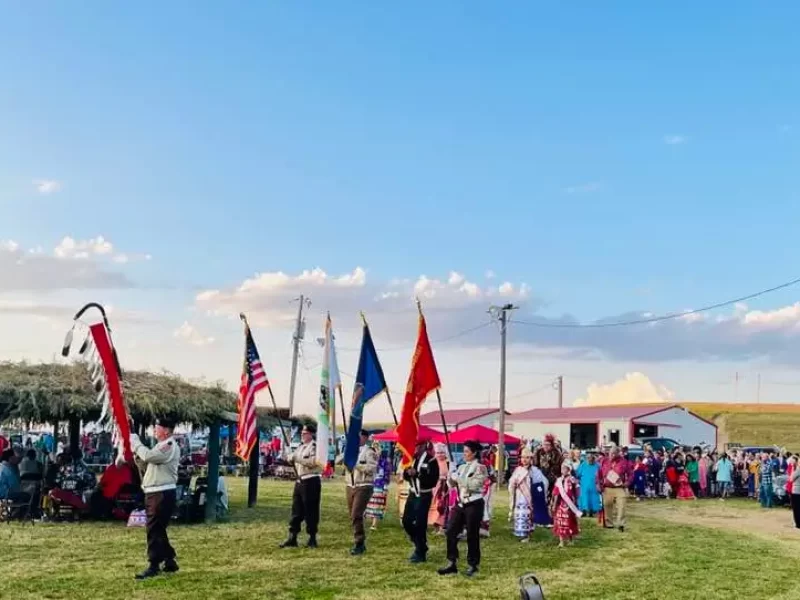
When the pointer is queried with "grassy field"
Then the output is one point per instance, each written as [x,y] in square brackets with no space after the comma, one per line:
[656,555]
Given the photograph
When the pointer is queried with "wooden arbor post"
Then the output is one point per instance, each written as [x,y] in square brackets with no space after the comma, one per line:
[252,486]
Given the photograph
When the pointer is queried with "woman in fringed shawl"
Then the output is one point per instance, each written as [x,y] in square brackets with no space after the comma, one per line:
[437,515]
[565,512]
[520,495]
[376,507]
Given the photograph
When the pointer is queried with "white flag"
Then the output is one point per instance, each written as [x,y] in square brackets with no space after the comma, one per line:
[330,381]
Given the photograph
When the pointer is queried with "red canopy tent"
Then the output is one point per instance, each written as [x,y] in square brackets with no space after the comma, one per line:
[480,433]
[391,435]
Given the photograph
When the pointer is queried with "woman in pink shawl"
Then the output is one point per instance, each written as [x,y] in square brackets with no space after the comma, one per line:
[702,473]
[437,514]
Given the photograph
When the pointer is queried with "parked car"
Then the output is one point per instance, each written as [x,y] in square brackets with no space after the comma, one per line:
[662,443]
[634,450]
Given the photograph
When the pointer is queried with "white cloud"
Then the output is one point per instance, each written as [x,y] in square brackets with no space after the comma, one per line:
[460,305]
[507,289]
[47,186]
[585,188]
[634,388]
[691,317]
[675,139]
[489,274]
[126,258]
[455,278]
[266,297]
[70,248]
[73,264]
[190,335]
[787,317]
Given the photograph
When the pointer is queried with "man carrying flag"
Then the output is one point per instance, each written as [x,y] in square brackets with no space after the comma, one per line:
[359,457]
[420,468]
[359,490]
[307,489]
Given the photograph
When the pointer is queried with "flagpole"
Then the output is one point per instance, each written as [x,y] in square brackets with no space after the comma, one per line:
[274,403]
[335,442]
[391,406]
[444,426]
[280,424]
[344,416]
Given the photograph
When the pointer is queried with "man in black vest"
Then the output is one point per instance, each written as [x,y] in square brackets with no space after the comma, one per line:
[422,476]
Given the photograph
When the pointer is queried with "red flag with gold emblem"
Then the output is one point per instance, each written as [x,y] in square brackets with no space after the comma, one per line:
[422,380]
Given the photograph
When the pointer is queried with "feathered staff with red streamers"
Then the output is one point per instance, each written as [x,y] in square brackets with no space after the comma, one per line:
[103,364]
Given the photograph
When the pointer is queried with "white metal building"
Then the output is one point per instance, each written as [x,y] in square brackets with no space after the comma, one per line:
[590,426]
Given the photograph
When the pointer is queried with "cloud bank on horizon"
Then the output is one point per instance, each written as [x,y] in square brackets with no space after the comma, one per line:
[454,303]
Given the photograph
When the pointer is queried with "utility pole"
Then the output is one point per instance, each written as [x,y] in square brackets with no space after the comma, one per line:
[501,446]
[736,388]
[560,384]
[296,339]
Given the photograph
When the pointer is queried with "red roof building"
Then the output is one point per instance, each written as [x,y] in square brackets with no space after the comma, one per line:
[460,418]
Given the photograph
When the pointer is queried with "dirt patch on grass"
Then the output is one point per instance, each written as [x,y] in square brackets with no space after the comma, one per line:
[773,524]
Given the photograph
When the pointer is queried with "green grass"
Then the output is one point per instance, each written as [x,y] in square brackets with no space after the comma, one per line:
[240,559]
[763,428]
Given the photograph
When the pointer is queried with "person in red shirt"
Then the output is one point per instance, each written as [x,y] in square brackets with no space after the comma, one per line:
[115,477]
[612,481]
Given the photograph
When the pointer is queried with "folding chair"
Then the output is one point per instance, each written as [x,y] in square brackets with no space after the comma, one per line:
[14,510]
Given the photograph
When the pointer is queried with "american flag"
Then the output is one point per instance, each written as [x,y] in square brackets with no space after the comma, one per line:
[254,378]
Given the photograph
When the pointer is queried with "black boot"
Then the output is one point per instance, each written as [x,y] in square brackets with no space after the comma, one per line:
[449,569]
[149,572]
[471,570]
[290,542]
[358,549]
[312,541]
[171,566]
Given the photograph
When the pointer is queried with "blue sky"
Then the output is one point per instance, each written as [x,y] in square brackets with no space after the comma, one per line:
[614,158]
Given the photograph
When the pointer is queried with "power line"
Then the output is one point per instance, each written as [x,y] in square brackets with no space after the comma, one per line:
[437,341]
[665,317]
[533,391]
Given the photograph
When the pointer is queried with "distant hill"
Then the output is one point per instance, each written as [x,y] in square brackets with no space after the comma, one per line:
[756,424]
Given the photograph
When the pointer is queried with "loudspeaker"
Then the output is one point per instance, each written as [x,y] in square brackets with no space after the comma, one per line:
[529,588]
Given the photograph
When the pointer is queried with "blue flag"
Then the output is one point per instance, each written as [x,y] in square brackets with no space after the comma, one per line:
[369,383]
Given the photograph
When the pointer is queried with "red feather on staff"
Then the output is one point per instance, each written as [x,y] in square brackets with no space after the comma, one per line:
[103,364]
